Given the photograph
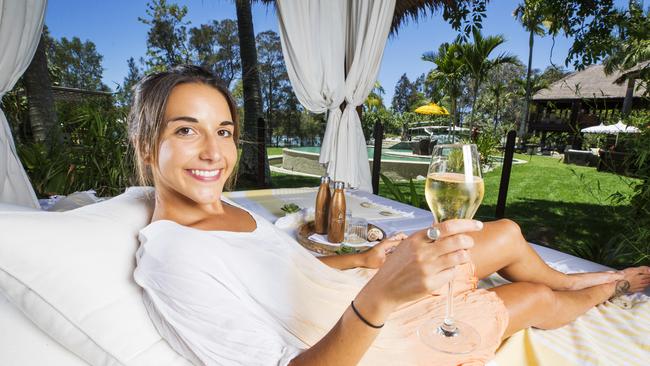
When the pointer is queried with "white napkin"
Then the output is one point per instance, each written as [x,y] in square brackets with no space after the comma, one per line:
[291,222]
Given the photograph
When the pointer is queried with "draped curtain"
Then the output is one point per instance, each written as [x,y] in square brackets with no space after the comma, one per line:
[21,23]
[333,51]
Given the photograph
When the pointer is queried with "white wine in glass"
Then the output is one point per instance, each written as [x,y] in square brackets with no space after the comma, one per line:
[454,190]
[451,196]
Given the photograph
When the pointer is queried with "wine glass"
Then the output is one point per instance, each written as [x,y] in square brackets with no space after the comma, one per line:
[454,190]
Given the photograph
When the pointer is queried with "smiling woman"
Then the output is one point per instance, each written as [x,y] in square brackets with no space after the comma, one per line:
[224,286]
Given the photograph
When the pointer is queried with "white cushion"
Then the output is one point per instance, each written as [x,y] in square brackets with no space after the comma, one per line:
[11,207]
[71,273]
[23,343]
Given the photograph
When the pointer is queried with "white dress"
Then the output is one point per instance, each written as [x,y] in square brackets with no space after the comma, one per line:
[258,298]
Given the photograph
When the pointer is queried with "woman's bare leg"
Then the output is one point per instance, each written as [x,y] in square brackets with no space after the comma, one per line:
[500,247]
[536,305]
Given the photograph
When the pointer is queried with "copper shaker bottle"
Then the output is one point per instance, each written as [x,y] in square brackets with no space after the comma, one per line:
[323,200]
[336,225]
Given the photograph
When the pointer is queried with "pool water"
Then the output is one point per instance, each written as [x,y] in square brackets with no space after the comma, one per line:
[387,154]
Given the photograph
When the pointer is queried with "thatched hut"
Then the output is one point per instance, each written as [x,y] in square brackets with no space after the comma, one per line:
[584,99]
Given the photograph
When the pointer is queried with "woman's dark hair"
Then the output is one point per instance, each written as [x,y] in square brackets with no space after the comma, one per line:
[146,118]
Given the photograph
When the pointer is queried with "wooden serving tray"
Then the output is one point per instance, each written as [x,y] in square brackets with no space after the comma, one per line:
[307,229]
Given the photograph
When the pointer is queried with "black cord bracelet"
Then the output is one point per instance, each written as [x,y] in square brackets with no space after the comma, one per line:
[364,319]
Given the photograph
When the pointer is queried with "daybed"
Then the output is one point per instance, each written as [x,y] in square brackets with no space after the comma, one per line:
[68,297]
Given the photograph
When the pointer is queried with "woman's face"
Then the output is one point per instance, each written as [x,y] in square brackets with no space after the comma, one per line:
[197,152]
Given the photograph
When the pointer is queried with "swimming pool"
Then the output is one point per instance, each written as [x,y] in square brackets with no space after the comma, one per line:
[386,154]
[395,163]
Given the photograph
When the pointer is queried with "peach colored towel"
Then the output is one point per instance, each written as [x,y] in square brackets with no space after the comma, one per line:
[398,343]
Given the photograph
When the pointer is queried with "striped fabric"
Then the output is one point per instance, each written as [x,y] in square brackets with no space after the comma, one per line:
[606,335]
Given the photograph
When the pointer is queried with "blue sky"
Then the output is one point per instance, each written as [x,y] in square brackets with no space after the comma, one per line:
[114,27]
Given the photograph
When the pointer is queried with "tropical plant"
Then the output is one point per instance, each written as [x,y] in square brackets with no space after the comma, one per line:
[412,198]
[532,84]
[531,15]
[47,168]
[498,89]
[449,73]
[633,43]
[636,233]
[94,154]
[375,99]
[476,59]
[486,144]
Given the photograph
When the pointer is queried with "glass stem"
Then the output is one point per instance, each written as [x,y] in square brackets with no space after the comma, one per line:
[449,325]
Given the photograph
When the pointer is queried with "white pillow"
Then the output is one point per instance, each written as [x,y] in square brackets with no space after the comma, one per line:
[71,273]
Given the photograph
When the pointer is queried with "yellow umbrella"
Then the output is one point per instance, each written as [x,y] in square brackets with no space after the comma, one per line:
[432,109]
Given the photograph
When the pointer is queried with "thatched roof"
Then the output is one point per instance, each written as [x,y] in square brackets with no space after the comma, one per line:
[414,9]
[590,83]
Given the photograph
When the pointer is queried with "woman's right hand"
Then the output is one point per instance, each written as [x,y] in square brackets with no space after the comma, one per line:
[420,266]
[416,268]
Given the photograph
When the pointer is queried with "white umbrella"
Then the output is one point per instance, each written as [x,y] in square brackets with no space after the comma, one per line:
[619,127]
[595,129]
[615,129]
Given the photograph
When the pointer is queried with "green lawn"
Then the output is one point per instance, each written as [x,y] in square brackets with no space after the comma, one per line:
[562,206]
[558,205]
[274,151]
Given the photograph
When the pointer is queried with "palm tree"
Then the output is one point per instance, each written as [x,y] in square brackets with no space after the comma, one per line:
[449,73]
[253,167]
[531,16]
[533,84]
[40,100]
[476,59]
[375,100]
[497,89]
[631,52]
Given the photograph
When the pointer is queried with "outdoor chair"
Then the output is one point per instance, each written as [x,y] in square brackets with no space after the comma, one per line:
[580,157]
[423,147]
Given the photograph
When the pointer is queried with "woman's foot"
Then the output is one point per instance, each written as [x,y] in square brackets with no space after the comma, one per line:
[638,277]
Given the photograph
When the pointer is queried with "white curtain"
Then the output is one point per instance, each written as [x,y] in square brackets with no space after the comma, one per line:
[21,22]
[318,45]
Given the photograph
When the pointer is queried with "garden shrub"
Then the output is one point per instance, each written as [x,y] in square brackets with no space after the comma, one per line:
[94,154]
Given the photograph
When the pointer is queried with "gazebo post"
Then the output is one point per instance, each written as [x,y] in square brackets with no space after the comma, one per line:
[378,133]
[629,93]
[505,175]
[573,121]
